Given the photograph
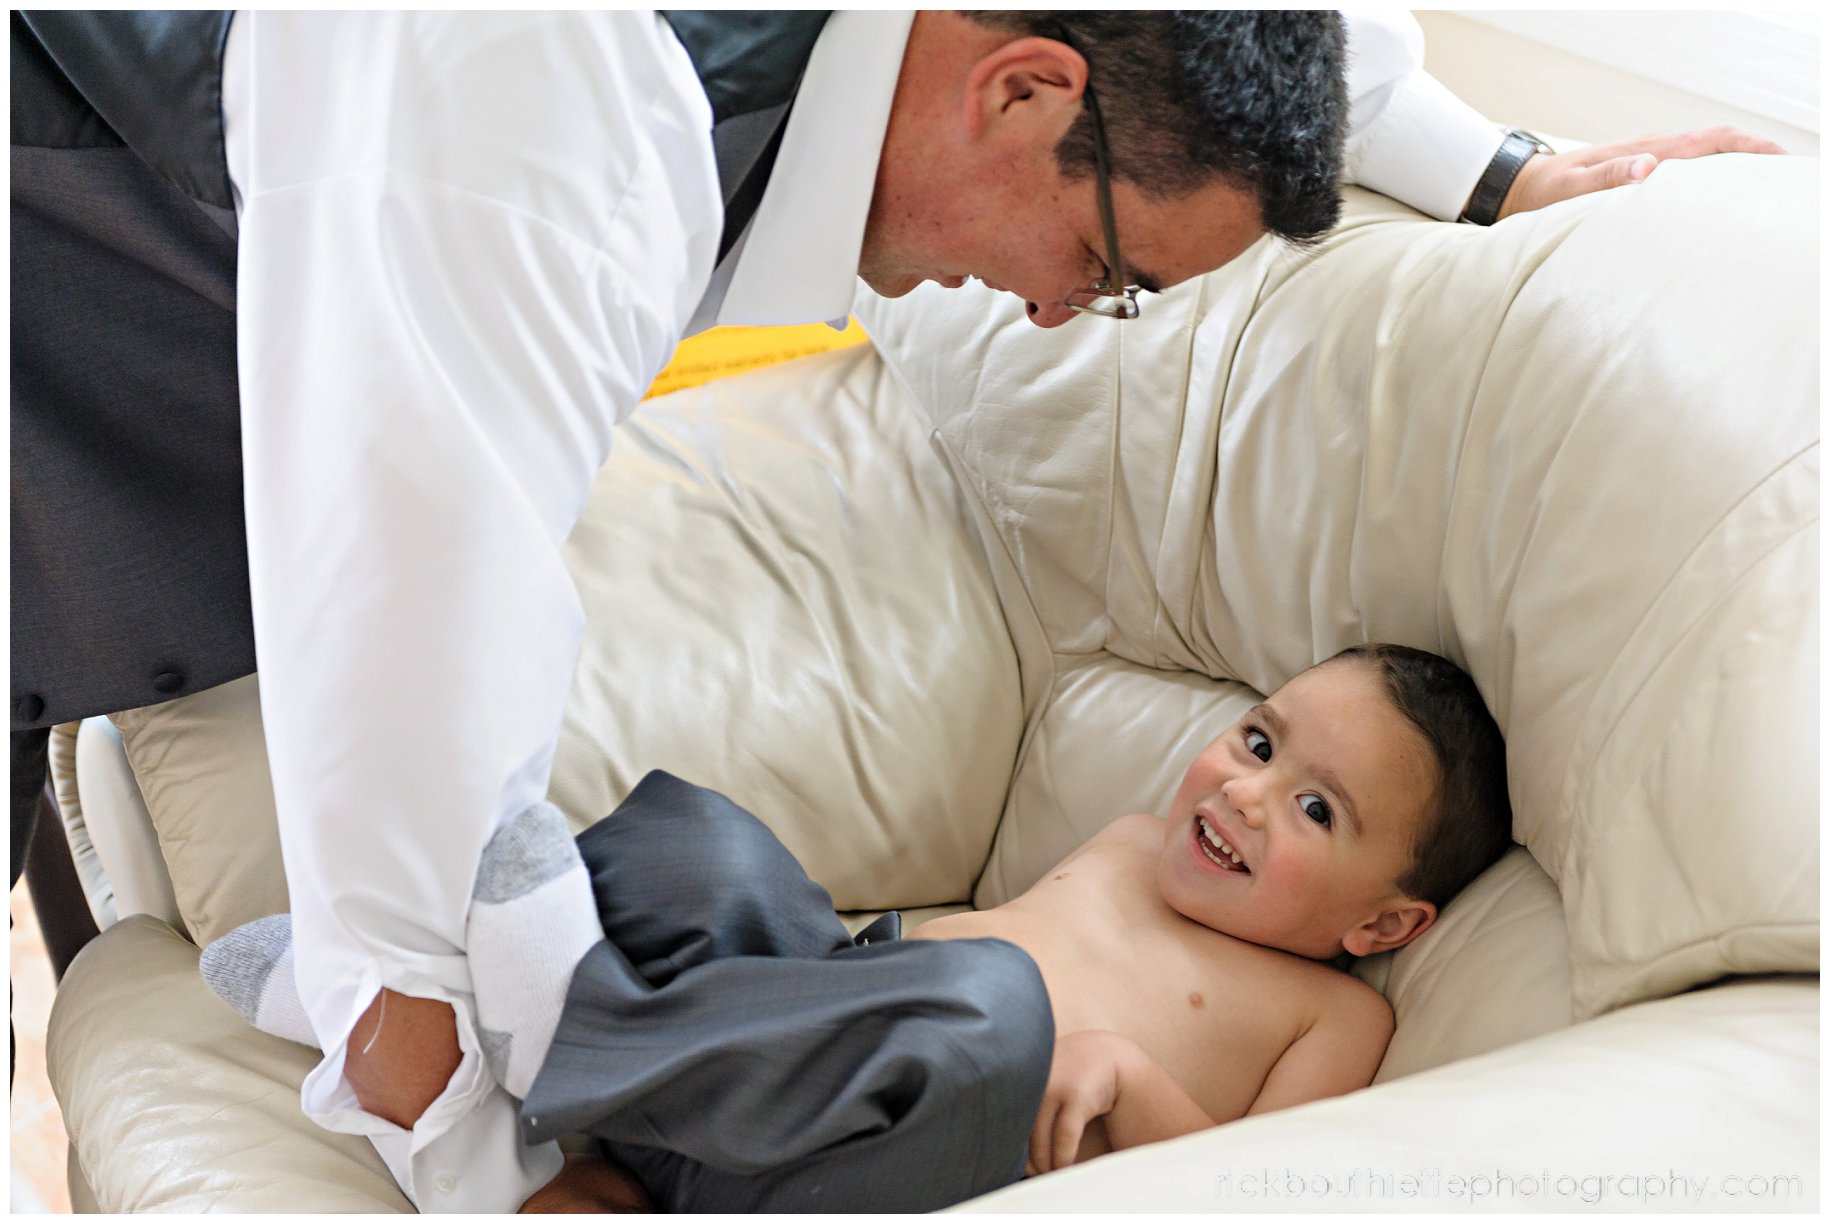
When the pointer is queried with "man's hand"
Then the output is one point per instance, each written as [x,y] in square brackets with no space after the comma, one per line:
[1083,1085]
[1550,177]
[588,1184]
[402,1053]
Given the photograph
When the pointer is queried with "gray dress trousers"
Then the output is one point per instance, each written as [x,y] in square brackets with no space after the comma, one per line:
[734,1048]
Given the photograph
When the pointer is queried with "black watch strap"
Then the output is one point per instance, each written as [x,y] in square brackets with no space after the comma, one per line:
[1517,149]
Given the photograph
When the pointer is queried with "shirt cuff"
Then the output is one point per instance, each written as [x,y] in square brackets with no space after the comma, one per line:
[465,1152]
[1427,148]
[477,1164]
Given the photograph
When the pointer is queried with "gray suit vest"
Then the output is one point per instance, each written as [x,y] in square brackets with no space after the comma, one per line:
[129,545]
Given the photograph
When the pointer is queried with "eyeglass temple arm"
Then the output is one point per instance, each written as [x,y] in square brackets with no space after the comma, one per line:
[1115,274]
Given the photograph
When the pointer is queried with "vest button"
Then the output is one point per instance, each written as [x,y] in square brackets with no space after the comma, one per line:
[28,707]
[168,682]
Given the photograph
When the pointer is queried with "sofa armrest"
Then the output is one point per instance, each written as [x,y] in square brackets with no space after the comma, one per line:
[1717,1087]
[98,893]
[173,1103]
[110,831]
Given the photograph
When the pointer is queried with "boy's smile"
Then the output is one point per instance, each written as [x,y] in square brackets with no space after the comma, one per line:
[1291,829]
[1211,839]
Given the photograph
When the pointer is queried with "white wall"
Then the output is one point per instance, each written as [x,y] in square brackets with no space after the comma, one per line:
[1665,71]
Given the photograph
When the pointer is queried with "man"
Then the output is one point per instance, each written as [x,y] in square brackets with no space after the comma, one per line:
[448,253]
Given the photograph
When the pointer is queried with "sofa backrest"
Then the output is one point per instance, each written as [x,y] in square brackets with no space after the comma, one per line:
[786,601]
[1576,453]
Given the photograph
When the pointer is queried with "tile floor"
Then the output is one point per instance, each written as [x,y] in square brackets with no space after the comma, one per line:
[36,1127]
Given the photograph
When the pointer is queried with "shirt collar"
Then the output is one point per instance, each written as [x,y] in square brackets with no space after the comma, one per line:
[798,259]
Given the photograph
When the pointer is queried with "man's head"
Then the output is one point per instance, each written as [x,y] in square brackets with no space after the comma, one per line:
[1220,126]
[1345,810]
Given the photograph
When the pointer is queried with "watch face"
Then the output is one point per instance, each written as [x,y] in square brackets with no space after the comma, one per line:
[1537,142]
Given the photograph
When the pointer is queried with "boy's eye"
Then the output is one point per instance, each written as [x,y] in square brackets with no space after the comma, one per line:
[1316,808]
[1257,743]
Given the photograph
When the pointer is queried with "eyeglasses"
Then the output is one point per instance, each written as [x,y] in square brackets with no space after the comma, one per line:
[1104,298]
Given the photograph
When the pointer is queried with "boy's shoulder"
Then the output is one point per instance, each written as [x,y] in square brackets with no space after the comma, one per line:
[1139,831]
[1338,1025]
[1342,1030]
[1344,998]
[1138,827]
[1317,991]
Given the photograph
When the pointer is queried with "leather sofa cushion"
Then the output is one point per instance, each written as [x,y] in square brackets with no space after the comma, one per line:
[1603,1116]
[1492,972]
[176,1104]
[201,761]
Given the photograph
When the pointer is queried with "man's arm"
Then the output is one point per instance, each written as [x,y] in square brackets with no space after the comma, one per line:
[444,307]
[1549,177]
[1413,140]
[397,1071]
[1409,137]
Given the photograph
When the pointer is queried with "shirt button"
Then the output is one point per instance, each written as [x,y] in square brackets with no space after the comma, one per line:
[29,707]
[168,682]
[444,1183]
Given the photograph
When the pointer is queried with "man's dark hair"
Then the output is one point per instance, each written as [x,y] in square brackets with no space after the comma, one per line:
[1471,824]
[1258,98]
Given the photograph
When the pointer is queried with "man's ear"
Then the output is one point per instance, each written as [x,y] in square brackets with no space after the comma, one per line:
[1029,80]
[1394,927]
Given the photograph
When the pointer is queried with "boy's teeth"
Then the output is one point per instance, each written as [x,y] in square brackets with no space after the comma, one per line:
[1213,839]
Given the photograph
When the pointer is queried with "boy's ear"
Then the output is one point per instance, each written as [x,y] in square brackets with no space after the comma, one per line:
[1393,928]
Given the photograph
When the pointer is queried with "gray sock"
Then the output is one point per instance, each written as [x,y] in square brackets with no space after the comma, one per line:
[532,919]
[250,969]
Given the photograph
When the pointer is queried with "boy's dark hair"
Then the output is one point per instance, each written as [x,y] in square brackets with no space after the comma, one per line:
[1258,98]
[1471,826]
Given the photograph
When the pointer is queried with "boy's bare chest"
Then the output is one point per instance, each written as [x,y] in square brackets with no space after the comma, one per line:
[1214,1011]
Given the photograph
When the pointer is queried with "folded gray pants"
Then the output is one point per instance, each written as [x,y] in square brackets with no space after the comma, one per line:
[735,1049]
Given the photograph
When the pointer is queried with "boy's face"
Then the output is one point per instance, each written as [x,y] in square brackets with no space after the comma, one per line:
[1318,792]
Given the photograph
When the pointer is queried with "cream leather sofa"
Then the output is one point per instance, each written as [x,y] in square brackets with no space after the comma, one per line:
[940,608]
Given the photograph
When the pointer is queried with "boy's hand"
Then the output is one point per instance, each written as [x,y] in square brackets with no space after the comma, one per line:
[588,1184]
[1083,1084]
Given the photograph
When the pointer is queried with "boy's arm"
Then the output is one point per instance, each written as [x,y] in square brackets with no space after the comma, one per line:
[1105,1075]
[1339,1053]
[1151,1106]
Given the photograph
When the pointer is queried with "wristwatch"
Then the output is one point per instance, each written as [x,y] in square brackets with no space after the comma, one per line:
[1517,149]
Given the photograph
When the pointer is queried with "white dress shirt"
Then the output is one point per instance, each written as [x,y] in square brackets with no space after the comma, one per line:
[1410,138]
[468,244]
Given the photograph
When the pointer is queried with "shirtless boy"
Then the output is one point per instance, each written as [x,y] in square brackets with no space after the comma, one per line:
[1186,974]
